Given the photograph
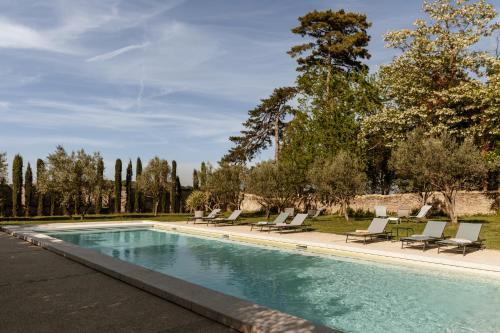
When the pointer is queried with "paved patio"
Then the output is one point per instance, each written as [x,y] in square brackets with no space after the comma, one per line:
[44,292]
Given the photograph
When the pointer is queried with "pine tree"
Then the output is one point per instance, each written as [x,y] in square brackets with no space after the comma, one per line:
[100,184]
[138,193]
[128,188]
[17,184]
[196,181]
[337,42]
[28,190]
[41,185]
[266,121]
[174,187]
[118,186]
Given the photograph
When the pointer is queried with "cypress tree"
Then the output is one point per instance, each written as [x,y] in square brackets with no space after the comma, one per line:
[28,190]
[118,185]
[196,182]
[3,180]
[128,188]
[17,184]
[100,184]
[164,202]
[174,186]
[178,195]
[203,175]
[40,178]
[138,194]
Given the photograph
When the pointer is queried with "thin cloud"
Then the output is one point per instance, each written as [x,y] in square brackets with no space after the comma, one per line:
[115,53]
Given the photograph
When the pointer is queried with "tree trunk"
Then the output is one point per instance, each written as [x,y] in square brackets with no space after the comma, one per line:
[155,209]
[450,201]
[425,196]
[345,205]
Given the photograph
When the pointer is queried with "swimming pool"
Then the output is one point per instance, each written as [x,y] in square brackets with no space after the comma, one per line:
[346,294]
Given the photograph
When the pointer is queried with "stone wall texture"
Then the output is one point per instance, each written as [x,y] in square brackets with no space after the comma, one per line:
[468,203]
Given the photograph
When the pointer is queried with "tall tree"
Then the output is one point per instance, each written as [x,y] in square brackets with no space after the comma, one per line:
[154,181]
[196,180]
[100,185]
[42,185]
[118,186]
[203,175]
[28,190]
[128,188]
[173,190]
[337,40]
[442,81]
[138,204]
[17,184]
[335,89]
[3,168]
[3,182]
[266,121]
[178,195]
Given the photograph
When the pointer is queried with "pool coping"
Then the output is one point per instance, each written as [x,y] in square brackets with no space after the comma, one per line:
[345,250]
[233,312]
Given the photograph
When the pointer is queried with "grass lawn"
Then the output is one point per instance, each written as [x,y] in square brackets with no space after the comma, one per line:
[328,223]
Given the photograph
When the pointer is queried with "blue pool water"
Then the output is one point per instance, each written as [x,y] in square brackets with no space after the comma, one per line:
[350,295]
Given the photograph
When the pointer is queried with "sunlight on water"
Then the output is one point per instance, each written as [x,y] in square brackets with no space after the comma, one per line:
[350,295]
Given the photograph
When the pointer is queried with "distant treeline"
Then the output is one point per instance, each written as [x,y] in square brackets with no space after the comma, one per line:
[74,184]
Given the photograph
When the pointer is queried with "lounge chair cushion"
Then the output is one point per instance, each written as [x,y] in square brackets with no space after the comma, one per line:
[418,238]
[458,241]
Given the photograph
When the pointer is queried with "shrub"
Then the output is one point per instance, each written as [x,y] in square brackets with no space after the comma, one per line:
[197,200]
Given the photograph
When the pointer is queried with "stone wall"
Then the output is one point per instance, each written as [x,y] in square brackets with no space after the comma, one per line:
[468,203]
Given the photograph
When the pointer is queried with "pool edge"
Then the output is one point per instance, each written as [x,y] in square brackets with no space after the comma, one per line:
[343,251]
[231,311]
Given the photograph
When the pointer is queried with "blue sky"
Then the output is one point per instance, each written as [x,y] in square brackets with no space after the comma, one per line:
[141,78]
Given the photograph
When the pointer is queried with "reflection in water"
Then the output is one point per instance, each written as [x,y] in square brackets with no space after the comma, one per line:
[349,295]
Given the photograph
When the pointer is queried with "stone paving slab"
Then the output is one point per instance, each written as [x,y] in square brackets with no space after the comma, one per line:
[43,292]
[244,316]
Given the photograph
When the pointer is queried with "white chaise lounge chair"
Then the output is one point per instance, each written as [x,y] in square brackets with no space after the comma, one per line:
[467,236]
[376,229]
[281,218]
[212,215]
[296,223]
[433,232]
[231,219]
